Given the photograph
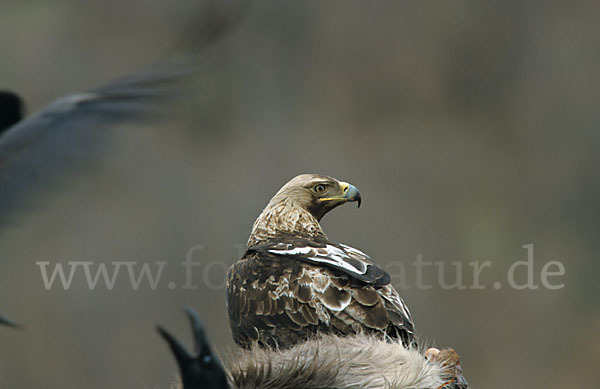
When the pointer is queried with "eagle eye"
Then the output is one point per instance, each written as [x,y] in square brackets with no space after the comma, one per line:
[319,188]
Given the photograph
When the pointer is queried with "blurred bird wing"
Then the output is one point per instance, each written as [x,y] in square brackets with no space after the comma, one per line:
[78,131]
[74,132]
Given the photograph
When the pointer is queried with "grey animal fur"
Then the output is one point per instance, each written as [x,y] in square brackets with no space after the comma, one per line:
[359,361]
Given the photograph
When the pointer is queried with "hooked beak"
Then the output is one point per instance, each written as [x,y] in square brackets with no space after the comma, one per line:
[350,192]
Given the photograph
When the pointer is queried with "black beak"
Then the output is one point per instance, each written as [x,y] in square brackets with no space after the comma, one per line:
[200,369]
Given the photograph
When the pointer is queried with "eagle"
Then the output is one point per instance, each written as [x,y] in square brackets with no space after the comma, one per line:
[293,283]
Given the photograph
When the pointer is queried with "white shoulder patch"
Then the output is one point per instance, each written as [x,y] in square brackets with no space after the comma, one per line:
[346,258]
[294,251]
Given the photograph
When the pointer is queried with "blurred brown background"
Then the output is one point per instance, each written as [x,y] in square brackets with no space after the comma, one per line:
[471,130]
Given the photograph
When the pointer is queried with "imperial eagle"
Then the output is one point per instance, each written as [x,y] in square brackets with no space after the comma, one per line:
[293,282]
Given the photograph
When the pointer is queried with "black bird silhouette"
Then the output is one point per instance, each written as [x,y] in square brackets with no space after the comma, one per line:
[200,369]
[11,109]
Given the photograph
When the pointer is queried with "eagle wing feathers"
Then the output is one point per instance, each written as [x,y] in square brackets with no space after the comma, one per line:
[341,257]
[300,296]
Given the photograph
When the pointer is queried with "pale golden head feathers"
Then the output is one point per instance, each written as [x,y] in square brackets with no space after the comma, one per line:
[299,205]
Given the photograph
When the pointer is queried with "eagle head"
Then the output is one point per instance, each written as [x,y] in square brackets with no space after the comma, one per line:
[299,205]
[317,194]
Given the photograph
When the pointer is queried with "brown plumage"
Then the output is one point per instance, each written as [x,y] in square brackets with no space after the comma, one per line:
[293,282]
